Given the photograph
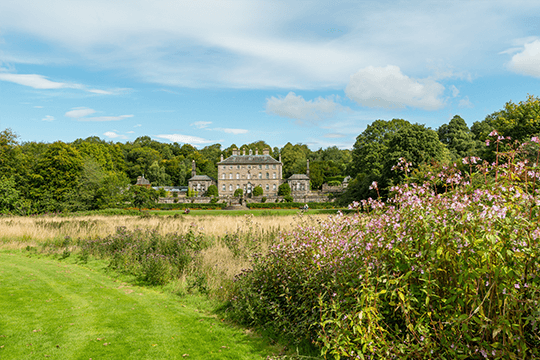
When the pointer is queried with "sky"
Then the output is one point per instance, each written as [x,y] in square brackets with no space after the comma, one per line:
[235,72]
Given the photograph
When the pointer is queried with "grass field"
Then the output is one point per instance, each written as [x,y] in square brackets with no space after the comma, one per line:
[61,310]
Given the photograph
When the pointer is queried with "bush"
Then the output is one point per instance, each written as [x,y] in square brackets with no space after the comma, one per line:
[334,183]
[288,198]
[238,193]
[284,189]
[263,200]
[212,191]
[257,191]
[449,275]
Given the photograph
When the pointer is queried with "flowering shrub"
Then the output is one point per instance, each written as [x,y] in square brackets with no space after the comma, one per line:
[153,258]
[446,268]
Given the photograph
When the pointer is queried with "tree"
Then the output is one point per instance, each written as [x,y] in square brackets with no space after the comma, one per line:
[142,197]
[238,193]
[157,175]
[212,191]
[57,178]
[284,189]
[10,195]
[257,191]
[458,138]
[519,121]
[417,145]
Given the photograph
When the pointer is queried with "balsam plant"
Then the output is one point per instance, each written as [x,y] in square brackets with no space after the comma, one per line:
[446,268]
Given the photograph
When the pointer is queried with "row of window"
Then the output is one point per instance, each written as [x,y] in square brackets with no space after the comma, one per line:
[224,176]
[224,187]
[250,166]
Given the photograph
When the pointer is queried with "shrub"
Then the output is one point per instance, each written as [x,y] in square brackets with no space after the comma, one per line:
[449,275]
[288,198]
[263,200]
[238,193]
[284,189]
[212,191]
[257,191]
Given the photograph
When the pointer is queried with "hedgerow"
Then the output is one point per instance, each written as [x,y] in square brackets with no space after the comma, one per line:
[424,275]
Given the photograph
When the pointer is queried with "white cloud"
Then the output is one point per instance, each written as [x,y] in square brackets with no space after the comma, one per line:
[38,107]
[296,107]
[41,82]
[455,91]
[32,80]
[105,118]
[79,112]
[48,118]
[186,139]
[465,103]
[114,135]
[138,125]
[201,124]
[388,87]
[334,135]
[527,61]
[232,131]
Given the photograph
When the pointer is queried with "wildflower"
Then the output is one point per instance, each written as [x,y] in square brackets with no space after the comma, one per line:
[535,140]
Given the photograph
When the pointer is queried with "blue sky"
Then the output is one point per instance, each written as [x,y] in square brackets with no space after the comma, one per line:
[311,72]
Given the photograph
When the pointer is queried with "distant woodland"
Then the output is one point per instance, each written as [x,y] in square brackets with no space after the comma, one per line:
[92,173]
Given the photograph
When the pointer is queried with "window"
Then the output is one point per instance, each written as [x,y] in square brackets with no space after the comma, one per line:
[249,175]
[266,167]
[230,166]
[274,166]
[237,186]
[267,187]
[238,166]
[267,175]
[230,187]
[260,175]
[237,176]
[274,187]
[224,188]
[273,175]
[230,176]
[223,176]
[260,166]
[224,166]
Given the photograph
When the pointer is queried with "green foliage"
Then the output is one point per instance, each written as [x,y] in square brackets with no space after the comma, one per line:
[238,193]
[263,200]
[10,198]
[284,189]
[192,193]
[157,175]
[288,198]
[140,197]
[424,275]
[257,191]
[334,183]
[519,121]
[212,191]
[458,138]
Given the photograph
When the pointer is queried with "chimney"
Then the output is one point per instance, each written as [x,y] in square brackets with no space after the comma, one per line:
[256,151]
[221,157]
[235,152]
[193,169]
[244,151]
[266,151]
[279,157]
[307,170]
[250,152]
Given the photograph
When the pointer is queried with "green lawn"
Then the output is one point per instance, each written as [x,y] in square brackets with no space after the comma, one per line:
[60,310]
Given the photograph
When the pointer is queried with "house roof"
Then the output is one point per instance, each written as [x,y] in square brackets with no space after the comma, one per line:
[249,159]
[201,178]
[142,181]
[299,177]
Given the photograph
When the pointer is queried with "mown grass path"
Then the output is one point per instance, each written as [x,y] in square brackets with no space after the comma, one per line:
[50,309]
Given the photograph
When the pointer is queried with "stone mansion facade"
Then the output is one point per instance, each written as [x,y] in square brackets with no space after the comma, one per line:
[247,171]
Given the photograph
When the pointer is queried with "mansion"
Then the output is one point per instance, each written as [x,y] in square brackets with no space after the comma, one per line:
[247,171]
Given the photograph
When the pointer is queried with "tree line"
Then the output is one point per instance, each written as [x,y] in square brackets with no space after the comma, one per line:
[92,173]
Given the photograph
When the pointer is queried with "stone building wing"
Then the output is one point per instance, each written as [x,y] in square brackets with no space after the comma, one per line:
[248,159]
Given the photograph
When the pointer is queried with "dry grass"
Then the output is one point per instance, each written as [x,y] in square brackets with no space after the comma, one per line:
[31,230]
[219,263]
